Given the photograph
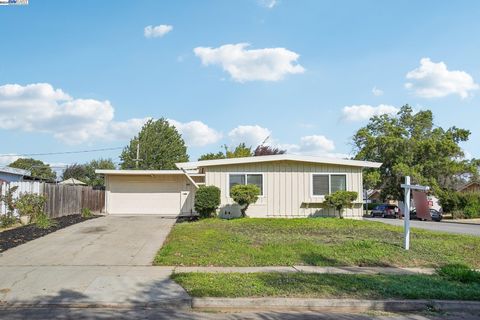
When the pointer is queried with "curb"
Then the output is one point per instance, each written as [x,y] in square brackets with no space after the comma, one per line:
[182,304]
[330,305]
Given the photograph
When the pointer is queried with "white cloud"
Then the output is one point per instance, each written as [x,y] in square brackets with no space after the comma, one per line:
[364,111]
[157,31]
[251,135]
[196,133]
[40,107]
[434,80]
[268,3]
[6,159]
[314,145]
[269,64]
[377,92]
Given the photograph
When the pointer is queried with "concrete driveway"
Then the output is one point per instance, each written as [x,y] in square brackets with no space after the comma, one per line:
[105,241]
[444,226]
[100,262]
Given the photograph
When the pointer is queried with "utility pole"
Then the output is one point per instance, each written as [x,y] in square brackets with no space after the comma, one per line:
[137,159]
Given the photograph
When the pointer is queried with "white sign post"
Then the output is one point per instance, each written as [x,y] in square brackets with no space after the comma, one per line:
[406,215]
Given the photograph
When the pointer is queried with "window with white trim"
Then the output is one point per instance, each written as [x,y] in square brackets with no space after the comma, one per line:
[323,184]
[246,178]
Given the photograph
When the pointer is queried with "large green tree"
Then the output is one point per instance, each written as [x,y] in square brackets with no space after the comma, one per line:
[161,146]
[409,143]
[38,168]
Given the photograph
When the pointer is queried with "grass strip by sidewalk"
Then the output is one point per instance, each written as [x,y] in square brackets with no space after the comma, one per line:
[311,241]
[308,285]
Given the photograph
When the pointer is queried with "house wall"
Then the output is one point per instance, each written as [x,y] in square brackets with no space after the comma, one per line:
[9,177]
[474,187]
[287,189]
[144,192]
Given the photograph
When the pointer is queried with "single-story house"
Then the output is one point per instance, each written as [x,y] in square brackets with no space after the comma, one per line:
[291,186]
[9,174]
[473,186]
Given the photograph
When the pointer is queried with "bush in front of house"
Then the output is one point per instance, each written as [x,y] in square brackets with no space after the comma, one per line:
[207,200]
[244,195]
[31,205]
[340,200]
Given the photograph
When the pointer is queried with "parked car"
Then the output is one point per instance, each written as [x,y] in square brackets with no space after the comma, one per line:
[386,210]
[435,214]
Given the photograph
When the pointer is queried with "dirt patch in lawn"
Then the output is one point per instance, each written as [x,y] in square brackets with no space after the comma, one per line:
[17,236]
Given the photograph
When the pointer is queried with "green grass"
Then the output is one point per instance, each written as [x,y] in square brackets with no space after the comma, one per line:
[314,241]
[325,286]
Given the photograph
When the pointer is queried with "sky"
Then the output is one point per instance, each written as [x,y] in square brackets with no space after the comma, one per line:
[85,75]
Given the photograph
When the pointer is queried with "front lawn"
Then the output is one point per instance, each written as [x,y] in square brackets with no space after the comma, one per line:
[314,241]
[336,286]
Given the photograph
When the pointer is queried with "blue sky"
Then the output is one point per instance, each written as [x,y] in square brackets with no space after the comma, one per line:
[86,74]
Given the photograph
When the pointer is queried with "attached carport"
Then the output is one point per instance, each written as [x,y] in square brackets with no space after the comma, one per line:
[161,192]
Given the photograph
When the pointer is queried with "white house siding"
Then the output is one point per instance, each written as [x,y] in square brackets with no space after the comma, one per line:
[287,188]
[144,194]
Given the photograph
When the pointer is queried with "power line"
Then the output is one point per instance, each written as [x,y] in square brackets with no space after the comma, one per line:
[57,153]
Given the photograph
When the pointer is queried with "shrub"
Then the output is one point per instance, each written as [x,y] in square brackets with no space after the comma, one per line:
[9,218]
[244,195]
[207,200]
[459,272]
[86,213]
[31,204]
[340,200]
[470,203]
[44,222]
[449,200]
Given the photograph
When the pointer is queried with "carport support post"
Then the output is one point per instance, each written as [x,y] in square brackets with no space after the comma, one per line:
[406,214]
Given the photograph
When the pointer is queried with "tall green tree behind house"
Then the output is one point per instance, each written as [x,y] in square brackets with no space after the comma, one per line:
[409,143]
[161,146]
[38,168]
[239,151]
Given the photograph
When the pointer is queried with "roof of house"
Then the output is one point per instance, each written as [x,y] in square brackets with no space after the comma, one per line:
[73,181]
[279,157]
[15,171]
[468,185]
[142,172]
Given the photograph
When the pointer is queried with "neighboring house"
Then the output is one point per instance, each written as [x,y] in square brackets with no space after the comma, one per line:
[374,196]
[473,186]
[9,174]
[291,186]
[73,182]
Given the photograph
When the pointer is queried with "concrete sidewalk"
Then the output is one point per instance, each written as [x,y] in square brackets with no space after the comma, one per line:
[90,286]
[308,269]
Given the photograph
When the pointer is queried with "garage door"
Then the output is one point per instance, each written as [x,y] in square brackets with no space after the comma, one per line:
[144,197]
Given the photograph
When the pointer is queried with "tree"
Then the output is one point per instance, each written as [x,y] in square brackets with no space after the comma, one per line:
[207,200]
[409,144]
[93,179]
[76,171]
[244,195]
[161,146]
[263,150]
[38,168]
[240,151]
[86,172]
[340,200]
[212,156]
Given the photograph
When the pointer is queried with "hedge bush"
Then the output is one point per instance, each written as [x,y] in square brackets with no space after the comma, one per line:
[207,200]
[461,205]
[244,195]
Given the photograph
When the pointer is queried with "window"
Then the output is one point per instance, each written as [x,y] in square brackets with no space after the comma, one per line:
[247,178]
[323,184]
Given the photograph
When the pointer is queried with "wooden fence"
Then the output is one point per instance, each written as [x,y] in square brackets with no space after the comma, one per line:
[62,200]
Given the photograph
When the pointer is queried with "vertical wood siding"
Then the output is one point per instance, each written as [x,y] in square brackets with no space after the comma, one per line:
[287,189]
